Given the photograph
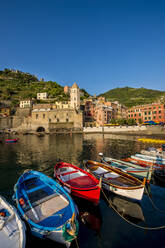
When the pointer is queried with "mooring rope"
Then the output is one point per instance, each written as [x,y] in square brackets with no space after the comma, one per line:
[76,243]
[131,223]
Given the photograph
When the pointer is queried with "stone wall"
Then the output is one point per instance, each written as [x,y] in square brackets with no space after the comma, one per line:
[53,120]
[6,123]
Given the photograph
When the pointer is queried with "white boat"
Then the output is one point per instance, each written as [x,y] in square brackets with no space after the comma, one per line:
[153,153]
[115,180]
[132,169]
[153,159]
[12,229]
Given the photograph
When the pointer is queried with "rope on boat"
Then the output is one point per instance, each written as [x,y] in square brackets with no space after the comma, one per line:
[76,243]
[131,223]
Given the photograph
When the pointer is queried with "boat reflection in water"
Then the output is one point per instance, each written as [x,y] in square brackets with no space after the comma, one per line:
[90,215]
[130,210]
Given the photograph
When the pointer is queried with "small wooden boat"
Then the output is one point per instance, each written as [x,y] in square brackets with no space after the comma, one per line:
[143,162]
[132,169]
[116,180]
[154,153]
[77,181]
[154,159]
[47,208]
[12,229]
[11,140]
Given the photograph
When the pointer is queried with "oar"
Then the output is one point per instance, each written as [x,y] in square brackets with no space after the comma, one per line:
[30,205]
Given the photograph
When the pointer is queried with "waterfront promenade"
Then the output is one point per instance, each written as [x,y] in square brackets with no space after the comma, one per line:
[149,130]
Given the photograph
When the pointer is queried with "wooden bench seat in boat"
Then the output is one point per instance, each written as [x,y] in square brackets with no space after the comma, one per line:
[47,208]
[76,178]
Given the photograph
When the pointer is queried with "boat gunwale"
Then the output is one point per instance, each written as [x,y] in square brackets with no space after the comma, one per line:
[104,180]
[62,164]
[32,223]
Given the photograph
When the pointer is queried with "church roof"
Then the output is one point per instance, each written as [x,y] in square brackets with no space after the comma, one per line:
[75,86]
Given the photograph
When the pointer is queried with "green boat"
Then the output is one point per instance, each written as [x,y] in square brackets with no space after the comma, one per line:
[132,169]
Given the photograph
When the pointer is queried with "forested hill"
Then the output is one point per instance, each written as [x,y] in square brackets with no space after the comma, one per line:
[134,96]
[16,85]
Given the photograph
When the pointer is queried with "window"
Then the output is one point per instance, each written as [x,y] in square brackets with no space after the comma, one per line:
[145,118]
[135,115]
[159,111]
[149,118]
[139,114]
[159,116]
[43,116]
[154,117]
[55,116]
[36,116]
[67,119]
[145,113]
[149,112]
[58,120]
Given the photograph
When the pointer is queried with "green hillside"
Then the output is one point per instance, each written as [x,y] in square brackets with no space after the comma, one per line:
[134,96]
[16,85]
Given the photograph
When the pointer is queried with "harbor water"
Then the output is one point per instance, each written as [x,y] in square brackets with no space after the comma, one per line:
[99,226]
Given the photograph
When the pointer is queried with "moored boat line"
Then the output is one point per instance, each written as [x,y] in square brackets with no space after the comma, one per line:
[130,168]
[144,162]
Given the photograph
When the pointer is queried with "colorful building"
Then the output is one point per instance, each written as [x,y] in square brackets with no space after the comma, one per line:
[149,112]
[98,112]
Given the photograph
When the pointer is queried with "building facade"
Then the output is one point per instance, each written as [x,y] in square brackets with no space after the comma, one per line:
[149,112]
[25,104]
[42,96]
[75,97]
[53,120]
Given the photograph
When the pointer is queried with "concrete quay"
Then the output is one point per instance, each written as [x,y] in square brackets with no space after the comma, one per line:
[147,130]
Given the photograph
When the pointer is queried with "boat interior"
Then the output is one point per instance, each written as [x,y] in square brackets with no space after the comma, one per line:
[74,177]
[113,177]
[47,204]
[9,230]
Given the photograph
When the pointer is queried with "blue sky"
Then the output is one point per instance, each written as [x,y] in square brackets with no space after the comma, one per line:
[99,44]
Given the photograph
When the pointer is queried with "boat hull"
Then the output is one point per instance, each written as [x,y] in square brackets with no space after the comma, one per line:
[46,207]
[116,181]
[136,194]
[144,163]
[12,231]
[132,169]
[11,140]
[90,193]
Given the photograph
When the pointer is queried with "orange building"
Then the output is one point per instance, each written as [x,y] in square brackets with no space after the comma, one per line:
[149,112]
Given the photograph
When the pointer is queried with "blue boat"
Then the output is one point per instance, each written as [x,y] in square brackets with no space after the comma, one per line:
[46,207]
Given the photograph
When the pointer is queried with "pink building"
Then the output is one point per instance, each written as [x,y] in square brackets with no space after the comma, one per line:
[66,89]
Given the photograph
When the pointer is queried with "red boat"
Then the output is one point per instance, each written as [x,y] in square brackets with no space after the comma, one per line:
[144,163]
[11,140]
[77,181]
